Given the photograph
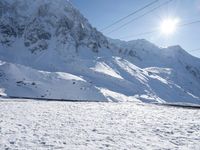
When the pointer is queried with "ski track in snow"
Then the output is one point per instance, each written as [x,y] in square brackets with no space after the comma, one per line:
[61,125]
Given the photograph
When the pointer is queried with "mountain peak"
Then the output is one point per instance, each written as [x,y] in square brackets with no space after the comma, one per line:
[38,22]
[48,47]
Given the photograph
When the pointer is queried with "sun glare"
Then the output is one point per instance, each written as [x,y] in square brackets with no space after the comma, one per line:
[168,26]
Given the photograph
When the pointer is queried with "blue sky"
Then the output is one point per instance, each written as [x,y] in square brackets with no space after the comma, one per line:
[101,13]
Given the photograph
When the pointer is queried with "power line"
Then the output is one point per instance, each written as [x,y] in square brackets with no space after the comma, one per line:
[139,34]
[153,31]
[194,22]
[163,4]
[123,18]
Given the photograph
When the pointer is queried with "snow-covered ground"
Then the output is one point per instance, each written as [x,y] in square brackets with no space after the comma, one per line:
[63,125]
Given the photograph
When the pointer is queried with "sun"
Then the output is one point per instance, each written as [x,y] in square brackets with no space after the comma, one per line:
[168,26]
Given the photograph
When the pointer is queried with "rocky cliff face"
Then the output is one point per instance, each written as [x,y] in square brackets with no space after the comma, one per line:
[38,22]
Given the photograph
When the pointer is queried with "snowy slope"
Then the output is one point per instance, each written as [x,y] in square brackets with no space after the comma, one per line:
[47,45]
[17,80]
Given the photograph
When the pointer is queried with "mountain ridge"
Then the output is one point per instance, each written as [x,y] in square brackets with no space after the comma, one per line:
[50,41]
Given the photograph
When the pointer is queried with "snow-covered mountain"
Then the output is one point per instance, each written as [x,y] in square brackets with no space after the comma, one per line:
[48,49]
